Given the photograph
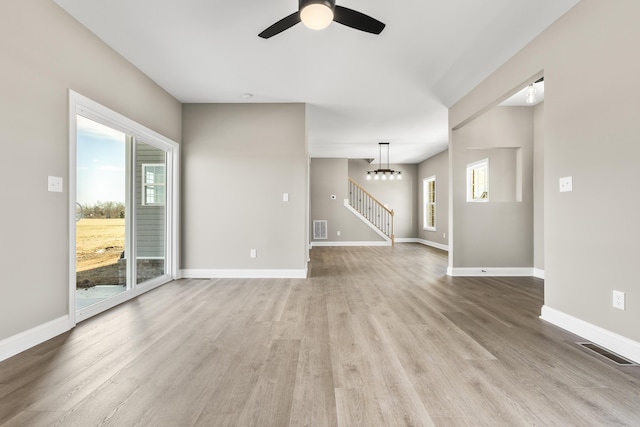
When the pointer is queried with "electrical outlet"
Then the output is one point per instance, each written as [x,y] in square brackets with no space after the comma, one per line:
[253,253]
[444,235]
[338,232]
[618,300]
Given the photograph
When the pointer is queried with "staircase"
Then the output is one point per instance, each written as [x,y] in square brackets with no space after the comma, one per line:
[378,216]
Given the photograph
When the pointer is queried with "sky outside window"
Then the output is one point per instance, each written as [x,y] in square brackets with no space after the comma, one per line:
[100,163]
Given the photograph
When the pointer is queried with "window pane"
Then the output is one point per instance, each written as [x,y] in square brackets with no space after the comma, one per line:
[154,177]
[151,212]
[429,188]
[101,201]
[432,216]
[478,175]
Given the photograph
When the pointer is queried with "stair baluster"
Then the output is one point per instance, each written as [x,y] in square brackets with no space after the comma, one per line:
[369,207]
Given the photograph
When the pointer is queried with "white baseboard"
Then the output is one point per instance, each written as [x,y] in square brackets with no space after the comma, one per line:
[406,240]
[24,340]
[375,243]
[490,271]
[432,244]
[607,339]
[244,274]
[385,243]
[538,273]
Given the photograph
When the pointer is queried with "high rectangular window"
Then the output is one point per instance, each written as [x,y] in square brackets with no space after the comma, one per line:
[429,197]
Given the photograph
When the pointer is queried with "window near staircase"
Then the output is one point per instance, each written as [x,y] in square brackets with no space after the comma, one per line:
[429,193]
[478,181]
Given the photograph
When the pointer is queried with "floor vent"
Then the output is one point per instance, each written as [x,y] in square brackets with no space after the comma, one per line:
[615,358]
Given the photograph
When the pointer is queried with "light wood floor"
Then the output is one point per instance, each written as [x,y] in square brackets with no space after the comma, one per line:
[375,337]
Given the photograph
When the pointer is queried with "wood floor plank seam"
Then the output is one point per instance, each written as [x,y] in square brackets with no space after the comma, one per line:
[375,336]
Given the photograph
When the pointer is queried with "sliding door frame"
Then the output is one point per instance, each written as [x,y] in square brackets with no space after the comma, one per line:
[81,105]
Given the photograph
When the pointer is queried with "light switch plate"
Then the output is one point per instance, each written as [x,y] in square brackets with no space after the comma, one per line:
[55,184]
[285,197]
[566,184]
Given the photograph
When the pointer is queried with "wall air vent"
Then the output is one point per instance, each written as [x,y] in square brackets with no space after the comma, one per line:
[320,229]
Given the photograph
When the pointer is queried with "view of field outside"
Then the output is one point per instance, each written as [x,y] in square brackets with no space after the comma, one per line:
[100,226]
[99,244]
[101,207]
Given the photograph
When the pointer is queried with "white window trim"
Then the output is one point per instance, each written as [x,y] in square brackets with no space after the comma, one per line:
[145,184]
[470,168]
[79,104]
[425,203]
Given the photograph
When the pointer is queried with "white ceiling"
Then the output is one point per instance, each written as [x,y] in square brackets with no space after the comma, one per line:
[360,88]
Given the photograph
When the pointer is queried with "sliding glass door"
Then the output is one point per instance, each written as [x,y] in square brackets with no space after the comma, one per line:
[150,218]
[124,225]
[101,210]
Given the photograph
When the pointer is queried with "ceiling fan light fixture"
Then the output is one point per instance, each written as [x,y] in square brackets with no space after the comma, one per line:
[316,15]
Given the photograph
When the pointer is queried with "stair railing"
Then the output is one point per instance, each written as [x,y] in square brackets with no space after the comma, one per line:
[369,207]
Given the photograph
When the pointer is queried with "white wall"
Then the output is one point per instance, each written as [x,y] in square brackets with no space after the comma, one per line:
[238,160]
[591,130]
[44,53]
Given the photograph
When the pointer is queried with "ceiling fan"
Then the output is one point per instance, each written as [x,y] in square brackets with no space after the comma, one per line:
[318,14]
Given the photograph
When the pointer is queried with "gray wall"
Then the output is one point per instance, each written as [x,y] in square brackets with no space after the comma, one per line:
[498,233]
[437,165]
[538,186]
[401,196]
[237,161]
[44,54]
[330,177]
[591,234]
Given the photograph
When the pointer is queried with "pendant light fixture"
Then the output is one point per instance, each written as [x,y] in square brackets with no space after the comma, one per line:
[530,93]
[383,173]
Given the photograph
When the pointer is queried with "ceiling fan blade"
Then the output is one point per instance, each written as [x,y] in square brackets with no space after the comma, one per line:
[281,25]
[359,21]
